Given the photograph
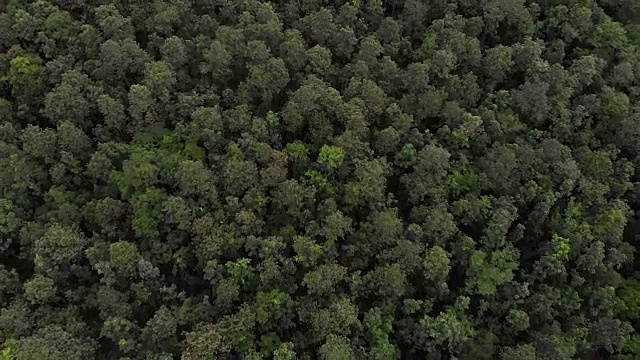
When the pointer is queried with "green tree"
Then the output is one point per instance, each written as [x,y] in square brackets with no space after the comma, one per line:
[26,76]
[53,342]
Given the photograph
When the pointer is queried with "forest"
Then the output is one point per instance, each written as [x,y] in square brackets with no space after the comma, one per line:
[319,179]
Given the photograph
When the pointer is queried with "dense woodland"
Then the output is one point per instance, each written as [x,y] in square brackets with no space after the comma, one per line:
[314,179]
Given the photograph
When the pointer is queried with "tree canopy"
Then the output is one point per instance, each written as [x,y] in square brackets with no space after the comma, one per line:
[361,179]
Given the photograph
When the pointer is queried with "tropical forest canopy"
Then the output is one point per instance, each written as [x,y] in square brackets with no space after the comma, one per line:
[314,179]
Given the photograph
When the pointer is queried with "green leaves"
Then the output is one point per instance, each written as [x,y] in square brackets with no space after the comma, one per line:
[451,327]
[331,157]
[437,264]
[317,180]
[53,342]
[616,104]
[71,99]
[9,221]
[9,350]
[629,295]
[270,306]
[59,246]
[26,76]
[39,289]
[428,45]
[487,271]
[380,328]
[147,211]
[336,348]
[518,319]
[297,151]
[240,271]
[124,257]
[561,248]
[367,180]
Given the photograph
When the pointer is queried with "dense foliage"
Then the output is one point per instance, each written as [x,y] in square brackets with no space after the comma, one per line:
[301,179]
